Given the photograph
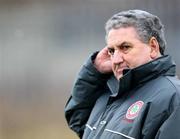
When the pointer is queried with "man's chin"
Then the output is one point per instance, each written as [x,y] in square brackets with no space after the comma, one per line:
[118,77]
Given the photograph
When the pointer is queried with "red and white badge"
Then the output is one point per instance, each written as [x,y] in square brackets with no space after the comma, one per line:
[134,109]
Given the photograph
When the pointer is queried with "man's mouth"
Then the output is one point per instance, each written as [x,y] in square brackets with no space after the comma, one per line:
[120,69]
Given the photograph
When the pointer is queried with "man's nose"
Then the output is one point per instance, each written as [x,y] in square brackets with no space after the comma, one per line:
[117,57]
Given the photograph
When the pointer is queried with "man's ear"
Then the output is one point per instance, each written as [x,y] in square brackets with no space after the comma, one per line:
[155,48]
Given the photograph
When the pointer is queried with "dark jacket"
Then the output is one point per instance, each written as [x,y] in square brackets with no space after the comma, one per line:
[143,104]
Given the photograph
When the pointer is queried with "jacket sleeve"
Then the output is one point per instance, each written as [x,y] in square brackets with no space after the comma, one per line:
[87,89]
[170,129]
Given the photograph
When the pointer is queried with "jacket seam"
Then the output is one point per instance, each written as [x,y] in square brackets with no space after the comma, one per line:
[119,133]
[171,83]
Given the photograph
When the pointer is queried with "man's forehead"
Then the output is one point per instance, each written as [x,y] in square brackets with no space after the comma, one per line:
[118,36]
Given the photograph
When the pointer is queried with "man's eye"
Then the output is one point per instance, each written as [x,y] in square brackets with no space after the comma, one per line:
[125,48]
[110,51]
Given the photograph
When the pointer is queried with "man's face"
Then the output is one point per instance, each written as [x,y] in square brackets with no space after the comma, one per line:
[126,50]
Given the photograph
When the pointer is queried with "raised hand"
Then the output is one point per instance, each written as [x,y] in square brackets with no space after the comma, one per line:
[102,61]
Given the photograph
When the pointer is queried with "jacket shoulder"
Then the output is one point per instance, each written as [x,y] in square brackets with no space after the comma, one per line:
[173,83]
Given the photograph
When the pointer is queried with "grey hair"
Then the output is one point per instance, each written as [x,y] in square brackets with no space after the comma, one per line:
[146,25]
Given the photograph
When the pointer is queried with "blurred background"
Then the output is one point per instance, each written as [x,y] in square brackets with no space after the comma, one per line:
[43,44]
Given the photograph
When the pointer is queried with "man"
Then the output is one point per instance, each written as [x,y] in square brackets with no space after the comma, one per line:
[141,99]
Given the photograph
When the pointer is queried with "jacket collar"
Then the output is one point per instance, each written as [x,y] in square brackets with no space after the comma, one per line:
[134,77]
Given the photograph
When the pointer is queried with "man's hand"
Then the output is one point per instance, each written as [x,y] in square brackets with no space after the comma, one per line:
[102,61]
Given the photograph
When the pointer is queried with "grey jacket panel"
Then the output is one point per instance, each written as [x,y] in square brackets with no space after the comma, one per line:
[143,105]
[88,87]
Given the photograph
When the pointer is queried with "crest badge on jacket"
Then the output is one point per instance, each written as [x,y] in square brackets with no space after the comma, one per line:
[134,110]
